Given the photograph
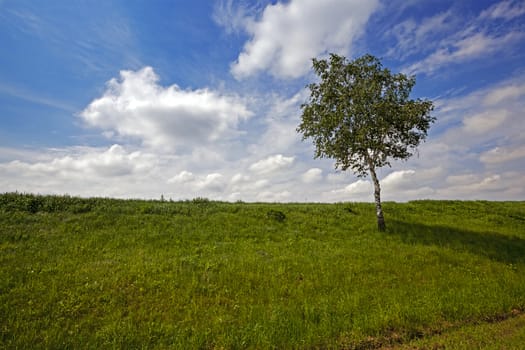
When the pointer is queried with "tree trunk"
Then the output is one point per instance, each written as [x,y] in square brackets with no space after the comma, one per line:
[381,226]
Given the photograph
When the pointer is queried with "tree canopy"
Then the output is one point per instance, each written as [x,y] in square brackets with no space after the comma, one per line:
[361,115]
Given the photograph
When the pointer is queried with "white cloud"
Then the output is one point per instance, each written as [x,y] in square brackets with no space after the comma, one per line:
[232,16]
[488,117]
[288,35]
[260,184]
[400,185]
[269,196]
[504,94]
[358,187]
[505,9]
[211,182]
[312,175]
[462,179]
[398,179]
[279,123]
[477,155]
[412,36]
[482,145]
[181,178]
[234,196]
[137,106]
[452,38]
[494,186]
[485,121]
[82,171]
[462,49]
[477,185]
[272,164]
[239,178]
[113,162]
[500,155]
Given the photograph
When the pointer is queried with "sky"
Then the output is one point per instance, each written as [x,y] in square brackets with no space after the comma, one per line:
[201,98]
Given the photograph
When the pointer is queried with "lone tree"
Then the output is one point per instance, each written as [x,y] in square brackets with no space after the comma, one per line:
[361,115]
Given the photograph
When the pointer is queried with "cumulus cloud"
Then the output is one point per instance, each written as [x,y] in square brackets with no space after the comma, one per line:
[239,178]
[502,155]
[495,186]
[400,185]
[312,175]
[358,187]
[462,179]
[481,150]
[268,196]
[398,179]
[211,182]
[489,117]
[136,106]
[278,134]
[272,164]
[287,35]
[181,178]
[484,121]
[474,184]
[82,171]
[113,162]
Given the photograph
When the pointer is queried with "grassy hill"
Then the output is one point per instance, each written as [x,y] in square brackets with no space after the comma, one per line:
[106,273]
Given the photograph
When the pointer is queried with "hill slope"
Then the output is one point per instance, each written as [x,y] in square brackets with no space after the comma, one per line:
[92,273]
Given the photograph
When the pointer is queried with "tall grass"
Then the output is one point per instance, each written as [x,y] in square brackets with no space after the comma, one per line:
[99,273]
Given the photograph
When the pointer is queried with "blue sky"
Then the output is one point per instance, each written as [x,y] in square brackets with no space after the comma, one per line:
[201,98]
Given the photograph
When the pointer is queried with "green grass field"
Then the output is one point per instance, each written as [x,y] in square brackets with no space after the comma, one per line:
[104,273]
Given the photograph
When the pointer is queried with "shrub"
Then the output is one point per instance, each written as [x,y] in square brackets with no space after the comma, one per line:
[276,215]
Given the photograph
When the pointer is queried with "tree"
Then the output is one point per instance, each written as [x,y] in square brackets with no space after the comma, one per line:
[361,115]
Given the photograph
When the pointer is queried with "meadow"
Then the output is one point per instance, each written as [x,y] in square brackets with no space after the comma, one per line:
[198,274]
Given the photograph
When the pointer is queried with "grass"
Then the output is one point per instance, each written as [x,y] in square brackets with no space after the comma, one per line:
[504,334]
[104,273]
